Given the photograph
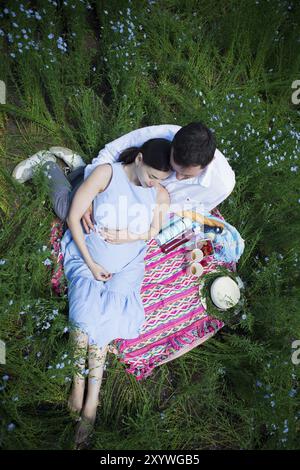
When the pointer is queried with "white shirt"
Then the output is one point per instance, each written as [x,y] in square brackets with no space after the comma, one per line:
[205,191]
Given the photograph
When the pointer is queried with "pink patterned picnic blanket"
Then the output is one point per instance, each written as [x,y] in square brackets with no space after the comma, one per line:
[175,319]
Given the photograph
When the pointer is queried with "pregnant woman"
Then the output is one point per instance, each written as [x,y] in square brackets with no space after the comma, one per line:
[105,268]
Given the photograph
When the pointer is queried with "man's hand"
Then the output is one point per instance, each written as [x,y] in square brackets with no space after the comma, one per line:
[118,236]
[99,272]
[87,220]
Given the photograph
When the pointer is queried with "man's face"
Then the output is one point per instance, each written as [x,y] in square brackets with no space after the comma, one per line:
[183,173]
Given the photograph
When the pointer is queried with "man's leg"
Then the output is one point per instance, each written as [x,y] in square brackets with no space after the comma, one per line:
[75,175]
[62,188]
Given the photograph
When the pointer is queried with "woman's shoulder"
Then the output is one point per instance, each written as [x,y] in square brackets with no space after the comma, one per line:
[163,196]
[104,169]
[102,174]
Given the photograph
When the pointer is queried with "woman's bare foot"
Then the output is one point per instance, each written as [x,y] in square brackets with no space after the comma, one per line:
[85,427]
[83,434]
[84,430]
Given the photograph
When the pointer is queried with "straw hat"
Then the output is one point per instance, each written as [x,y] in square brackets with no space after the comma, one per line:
[225,293]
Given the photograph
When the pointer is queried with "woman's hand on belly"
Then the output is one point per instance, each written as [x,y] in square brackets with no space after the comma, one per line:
[99,272]
[118,236]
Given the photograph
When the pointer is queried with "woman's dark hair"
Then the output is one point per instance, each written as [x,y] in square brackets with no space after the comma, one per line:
[194,145]
[156,153]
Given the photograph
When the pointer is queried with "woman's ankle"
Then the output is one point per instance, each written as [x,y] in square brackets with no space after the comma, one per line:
[89,410]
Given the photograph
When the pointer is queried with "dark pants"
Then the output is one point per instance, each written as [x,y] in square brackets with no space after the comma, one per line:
[62,188]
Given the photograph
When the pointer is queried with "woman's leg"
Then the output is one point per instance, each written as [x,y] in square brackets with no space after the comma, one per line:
[75,401]
[97,358]
[88,416]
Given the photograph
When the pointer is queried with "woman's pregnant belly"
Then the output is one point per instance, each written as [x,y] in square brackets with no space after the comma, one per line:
[113,257]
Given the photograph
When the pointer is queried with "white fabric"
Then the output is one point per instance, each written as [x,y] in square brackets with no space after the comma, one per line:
[205,191]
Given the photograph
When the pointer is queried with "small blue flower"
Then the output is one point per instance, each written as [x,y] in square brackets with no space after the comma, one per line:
[11,427]
[51,36]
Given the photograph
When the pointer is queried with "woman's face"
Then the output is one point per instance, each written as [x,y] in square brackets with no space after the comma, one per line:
[147,175]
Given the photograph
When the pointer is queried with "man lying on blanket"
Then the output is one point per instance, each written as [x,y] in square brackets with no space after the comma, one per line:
[202,176]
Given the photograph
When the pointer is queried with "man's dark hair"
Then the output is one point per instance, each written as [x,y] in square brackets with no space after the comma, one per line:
[194,145]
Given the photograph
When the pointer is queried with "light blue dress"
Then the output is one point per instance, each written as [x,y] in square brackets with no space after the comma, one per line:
[111,309]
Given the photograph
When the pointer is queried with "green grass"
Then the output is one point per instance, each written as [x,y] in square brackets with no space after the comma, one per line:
[229,64]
